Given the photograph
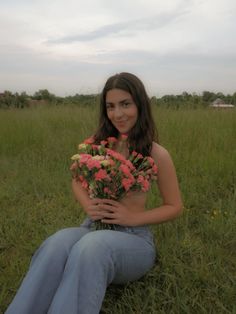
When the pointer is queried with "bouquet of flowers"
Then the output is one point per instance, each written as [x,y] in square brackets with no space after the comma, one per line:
[106,173]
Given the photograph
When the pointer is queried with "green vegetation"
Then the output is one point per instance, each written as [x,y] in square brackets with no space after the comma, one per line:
[8,100]
[197,269]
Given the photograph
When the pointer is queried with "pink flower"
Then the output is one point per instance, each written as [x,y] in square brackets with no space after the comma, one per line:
[103,143]
[124,137]
[154,168]
[111,139]
[125,170]
[84,158]
[130,165]
[106,190]
[134,153]
[89,140]
[81,178]
[100,175]
[126,183]
[92,163]
[116,155]
[150,160]
[84,184]
[104,172]
[112,162]
[145,185]
[140,179]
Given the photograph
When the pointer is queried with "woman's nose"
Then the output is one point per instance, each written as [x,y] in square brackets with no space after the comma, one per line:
[118,112]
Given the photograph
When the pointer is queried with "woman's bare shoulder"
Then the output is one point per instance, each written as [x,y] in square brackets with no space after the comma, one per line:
[159,153]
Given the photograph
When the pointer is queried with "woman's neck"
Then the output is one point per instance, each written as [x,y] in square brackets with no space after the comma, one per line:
[122,147]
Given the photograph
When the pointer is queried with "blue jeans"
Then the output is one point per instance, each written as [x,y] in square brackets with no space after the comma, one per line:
[71,270]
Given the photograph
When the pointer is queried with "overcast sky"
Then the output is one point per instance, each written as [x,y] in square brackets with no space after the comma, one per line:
[73,46]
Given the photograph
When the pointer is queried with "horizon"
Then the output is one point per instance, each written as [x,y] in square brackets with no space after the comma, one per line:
[97,94]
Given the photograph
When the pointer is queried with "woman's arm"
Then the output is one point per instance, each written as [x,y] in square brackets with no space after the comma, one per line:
[169,190]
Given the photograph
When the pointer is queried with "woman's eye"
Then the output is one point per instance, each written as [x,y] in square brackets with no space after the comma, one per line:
[109,107]
[126,104]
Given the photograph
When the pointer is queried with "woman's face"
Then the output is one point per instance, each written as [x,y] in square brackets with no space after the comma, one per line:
[121,110]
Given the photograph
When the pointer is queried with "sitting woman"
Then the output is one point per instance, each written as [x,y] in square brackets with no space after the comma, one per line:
[72,269]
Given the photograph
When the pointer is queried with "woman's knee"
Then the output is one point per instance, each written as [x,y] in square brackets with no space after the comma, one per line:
[59,244]
[93,246]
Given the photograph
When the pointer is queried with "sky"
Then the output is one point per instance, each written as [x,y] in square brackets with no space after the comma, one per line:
[73,46]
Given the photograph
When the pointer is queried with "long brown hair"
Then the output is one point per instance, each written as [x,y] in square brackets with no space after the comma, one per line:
[144,132]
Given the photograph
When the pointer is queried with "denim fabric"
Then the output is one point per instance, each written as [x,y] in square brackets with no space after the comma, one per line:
[71,270]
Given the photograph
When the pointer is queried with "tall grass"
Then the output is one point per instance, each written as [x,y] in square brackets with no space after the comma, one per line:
[197,268]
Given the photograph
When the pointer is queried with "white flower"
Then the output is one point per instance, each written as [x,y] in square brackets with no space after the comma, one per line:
[76,157]
[98,157]
[83,146]
[105,162]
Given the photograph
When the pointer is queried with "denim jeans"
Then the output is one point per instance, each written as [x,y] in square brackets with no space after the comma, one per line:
[71,270]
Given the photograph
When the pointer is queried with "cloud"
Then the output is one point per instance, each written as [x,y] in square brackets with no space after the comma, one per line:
[124,28]
[172,45]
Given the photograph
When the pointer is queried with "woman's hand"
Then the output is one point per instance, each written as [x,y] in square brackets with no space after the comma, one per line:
[93,209]
[73,169]
[114,212]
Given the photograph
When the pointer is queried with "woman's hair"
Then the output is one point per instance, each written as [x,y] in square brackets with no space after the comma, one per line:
[144,132]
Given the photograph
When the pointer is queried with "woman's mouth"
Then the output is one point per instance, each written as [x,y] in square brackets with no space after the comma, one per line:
[120,123]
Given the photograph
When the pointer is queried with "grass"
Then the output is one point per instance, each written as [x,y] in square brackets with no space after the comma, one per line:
[197,269]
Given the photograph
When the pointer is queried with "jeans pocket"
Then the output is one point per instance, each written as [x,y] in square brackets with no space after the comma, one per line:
[143,232]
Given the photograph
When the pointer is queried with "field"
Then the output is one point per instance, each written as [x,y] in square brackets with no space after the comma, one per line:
[197,272]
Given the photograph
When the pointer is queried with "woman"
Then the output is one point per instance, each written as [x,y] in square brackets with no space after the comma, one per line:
[72,269]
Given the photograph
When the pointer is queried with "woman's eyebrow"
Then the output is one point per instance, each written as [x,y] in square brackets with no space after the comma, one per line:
[120,102]
[125,100]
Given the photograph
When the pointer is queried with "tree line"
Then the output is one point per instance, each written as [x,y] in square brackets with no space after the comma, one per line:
[10,100]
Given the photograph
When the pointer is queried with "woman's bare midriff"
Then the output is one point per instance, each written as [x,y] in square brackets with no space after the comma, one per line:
[135,201]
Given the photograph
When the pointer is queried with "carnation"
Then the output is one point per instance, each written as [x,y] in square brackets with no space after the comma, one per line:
[106,173]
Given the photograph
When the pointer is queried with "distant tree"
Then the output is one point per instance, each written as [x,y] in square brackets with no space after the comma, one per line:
[234,99]
[208,96]
[186,96]
[44,94]
[7,99]
[220,95]
[196,99]
[22,100]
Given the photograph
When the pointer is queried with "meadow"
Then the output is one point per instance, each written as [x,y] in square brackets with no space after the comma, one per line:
[197,268]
